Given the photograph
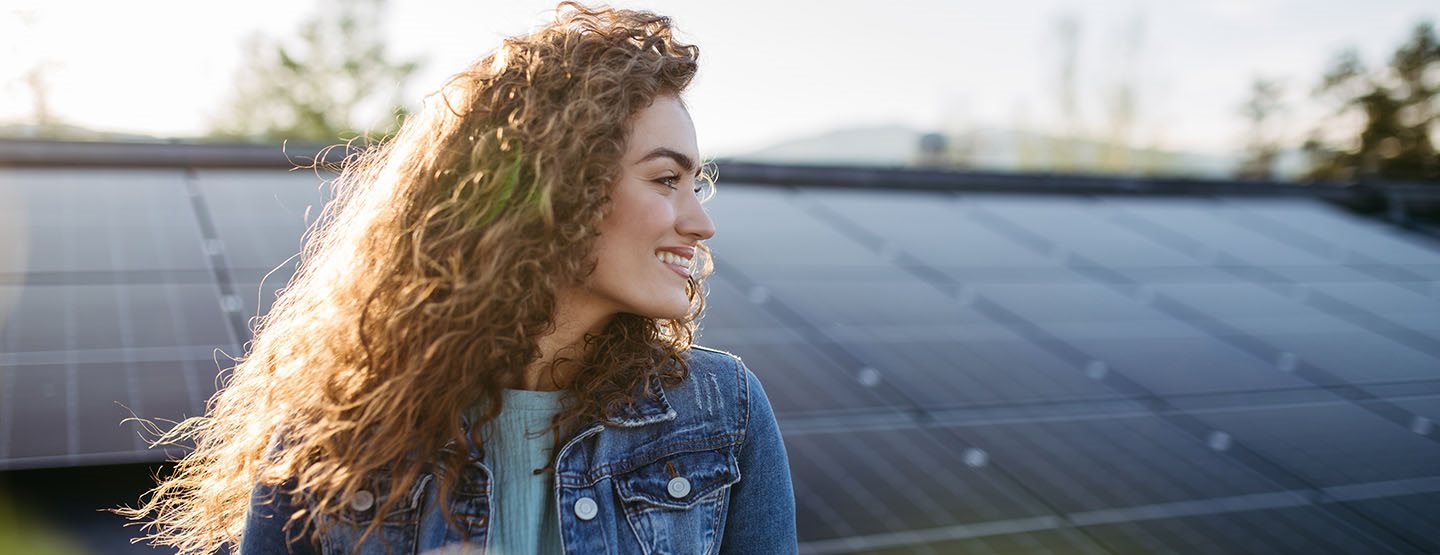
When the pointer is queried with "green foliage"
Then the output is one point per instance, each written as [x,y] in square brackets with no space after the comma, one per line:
[330,84]
[1399,105]
[21,532]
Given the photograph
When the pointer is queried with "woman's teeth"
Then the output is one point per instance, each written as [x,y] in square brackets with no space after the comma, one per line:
[672,258]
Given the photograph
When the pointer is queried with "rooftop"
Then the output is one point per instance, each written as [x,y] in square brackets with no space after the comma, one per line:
[959,361]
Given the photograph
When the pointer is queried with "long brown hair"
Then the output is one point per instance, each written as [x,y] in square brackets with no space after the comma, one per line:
[425,284]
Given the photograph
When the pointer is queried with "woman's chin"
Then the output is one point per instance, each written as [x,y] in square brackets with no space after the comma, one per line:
[667,312]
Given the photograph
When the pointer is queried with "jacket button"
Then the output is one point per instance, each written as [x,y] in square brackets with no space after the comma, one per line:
[586,509]
[362,501]
[678,487]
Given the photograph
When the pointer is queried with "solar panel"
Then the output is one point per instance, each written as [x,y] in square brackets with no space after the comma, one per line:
[1325,229]
[1331,443]
[1291,530]
[1394,300]
[805,378]
[1187,366]
[774,239]
[1036,542]
[118,316]
[112,313]
[93,225]
[1105,462]
[866,483]
[260,215]
[952,371]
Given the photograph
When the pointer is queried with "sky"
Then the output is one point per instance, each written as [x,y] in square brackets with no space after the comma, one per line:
[770,71]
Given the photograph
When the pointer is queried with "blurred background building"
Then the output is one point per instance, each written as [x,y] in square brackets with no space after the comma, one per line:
[1049,278]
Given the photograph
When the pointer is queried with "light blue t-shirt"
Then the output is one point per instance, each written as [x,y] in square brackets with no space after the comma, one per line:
[523,515]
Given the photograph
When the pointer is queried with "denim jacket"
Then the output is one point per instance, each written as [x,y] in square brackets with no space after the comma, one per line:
[700,468]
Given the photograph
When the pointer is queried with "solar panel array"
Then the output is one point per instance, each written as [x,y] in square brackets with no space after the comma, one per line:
[953,372]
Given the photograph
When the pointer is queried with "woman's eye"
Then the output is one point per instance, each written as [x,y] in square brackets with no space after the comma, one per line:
[668,181]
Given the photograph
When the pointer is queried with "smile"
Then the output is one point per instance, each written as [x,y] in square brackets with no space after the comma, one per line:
[679,264]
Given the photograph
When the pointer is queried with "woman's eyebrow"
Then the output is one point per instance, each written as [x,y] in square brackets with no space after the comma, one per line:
[685,161]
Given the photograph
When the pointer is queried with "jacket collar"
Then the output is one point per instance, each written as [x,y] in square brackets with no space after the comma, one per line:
[650,407]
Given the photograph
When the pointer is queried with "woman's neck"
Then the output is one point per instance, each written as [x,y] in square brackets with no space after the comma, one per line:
[574,319]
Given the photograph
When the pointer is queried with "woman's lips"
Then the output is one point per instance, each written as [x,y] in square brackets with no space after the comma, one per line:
[684,271]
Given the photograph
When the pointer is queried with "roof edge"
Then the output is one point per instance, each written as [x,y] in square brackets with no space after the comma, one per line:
[1366,197]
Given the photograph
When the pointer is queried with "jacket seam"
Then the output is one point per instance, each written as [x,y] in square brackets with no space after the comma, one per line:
[609,471]
[718,525]
[714,350]
[744,404]
[639,539]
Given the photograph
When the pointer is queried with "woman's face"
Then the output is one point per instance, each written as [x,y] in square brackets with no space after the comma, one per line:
[646,247]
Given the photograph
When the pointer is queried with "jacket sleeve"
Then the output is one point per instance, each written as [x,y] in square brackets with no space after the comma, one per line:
[265,519]
[761,517]
[268,512]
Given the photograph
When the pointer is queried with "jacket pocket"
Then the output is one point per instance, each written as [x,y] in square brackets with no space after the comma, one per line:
[398,524]
[677,503]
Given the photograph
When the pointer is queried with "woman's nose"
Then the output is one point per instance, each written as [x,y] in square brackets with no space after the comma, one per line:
[694,221]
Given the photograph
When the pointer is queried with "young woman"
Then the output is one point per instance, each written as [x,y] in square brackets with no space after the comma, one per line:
[487,345]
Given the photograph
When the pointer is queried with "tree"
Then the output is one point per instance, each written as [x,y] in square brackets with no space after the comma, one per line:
[1262,147]
[334,84]
[1398,105]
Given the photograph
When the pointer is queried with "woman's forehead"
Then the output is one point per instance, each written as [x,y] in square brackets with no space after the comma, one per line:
[664,124]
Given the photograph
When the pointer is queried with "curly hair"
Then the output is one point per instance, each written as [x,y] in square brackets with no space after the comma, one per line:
[425,284]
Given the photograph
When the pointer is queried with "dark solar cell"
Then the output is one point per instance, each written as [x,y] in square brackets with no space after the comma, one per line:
[109,392]
[1336,273]
[1088,464]
[260,215]
[100,196]
[1333,229]
[77,221]
[892,481]
[1298,530]
[800,378]
[1202,223]
[1038,542]
[1389,299]
[1079,229]
[878,304]
[1085,304]
[1426,407]
[1232,302]
[122,316]
[931,226]
[772,233]
[938,373]
[1352,357]
[37,413]
[1014,275]
[1330,444]
[1410,515]
[117,248]
[735,311]
[1158,275]
[76,413]
[1430,272]
[1187,365]
[809,378]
